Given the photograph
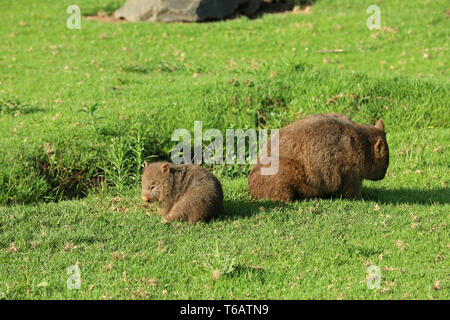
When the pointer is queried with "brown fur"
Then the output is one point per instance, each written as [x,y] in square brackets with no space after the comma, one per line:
[184,192]
[322,156]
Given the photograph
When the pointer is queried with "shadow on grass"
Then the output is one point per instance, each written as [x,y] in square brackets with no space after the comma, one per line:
[248,208]
[278,7]
[16,107]
[410,196]
[274,7]
[257,273]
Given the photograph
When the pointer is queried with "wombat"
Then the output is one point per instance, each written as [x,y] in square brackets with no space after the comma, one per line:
[323,155]
[184,192]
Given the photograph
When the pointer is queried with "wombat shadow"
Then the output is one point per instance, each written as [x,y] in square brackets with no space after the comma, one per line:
[406,195]
[248,208]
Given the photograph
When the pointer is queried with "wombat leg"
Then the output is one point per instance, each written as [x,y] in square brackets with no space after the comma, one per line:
[189,208]
[271,187]
[180,214]
[284,195]
[351,189]
[183,209]
[281,190]
[352,195]
[161,212]
[174,215]
[278,187]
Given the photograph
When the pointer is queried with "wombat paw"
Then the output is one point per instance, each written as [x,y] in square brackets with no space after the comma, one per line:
[164,221]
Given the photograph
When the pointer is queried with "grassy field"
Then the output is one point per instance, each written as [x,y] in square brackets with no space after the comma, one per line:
[80,110]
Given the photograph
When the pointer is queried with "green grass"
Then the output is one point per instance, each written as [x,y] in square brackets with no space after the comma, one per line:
[81,109]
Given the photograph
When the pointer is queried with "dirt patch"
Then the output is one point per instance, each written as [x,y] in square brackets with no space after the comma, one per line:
[283,8]
[306,9]
[104,18]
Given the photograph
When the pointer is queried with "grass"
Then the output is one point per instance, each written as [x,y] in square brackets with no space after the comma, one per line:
[81,109]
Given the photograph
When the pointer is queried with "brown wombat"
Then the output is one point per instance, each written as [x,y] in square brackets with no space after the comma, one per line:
[184,192]
[321,156]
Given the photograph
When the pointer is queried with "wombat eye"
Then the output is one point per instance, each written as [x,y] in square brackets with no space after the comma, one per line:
[152,187]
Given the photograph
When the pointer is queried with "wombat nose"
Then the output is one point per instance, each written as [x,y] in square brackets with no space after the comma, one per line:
[146,199]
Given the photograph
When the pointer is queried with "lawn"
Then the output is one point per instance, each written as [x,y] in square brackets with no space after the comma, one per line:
[80,111]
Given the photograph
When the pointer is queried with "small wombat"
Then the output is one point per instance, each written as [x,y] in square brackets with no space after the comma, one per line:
[184,192]
[321,156]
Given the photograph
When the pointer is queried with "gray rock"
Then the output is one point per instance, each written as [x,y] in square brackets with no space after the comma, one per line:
[185,10]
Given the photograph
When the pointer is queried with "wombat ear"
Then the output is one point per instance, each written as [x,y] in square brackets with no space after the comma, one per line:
[380,125]
[164,168]
[145,164]
[379,149]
